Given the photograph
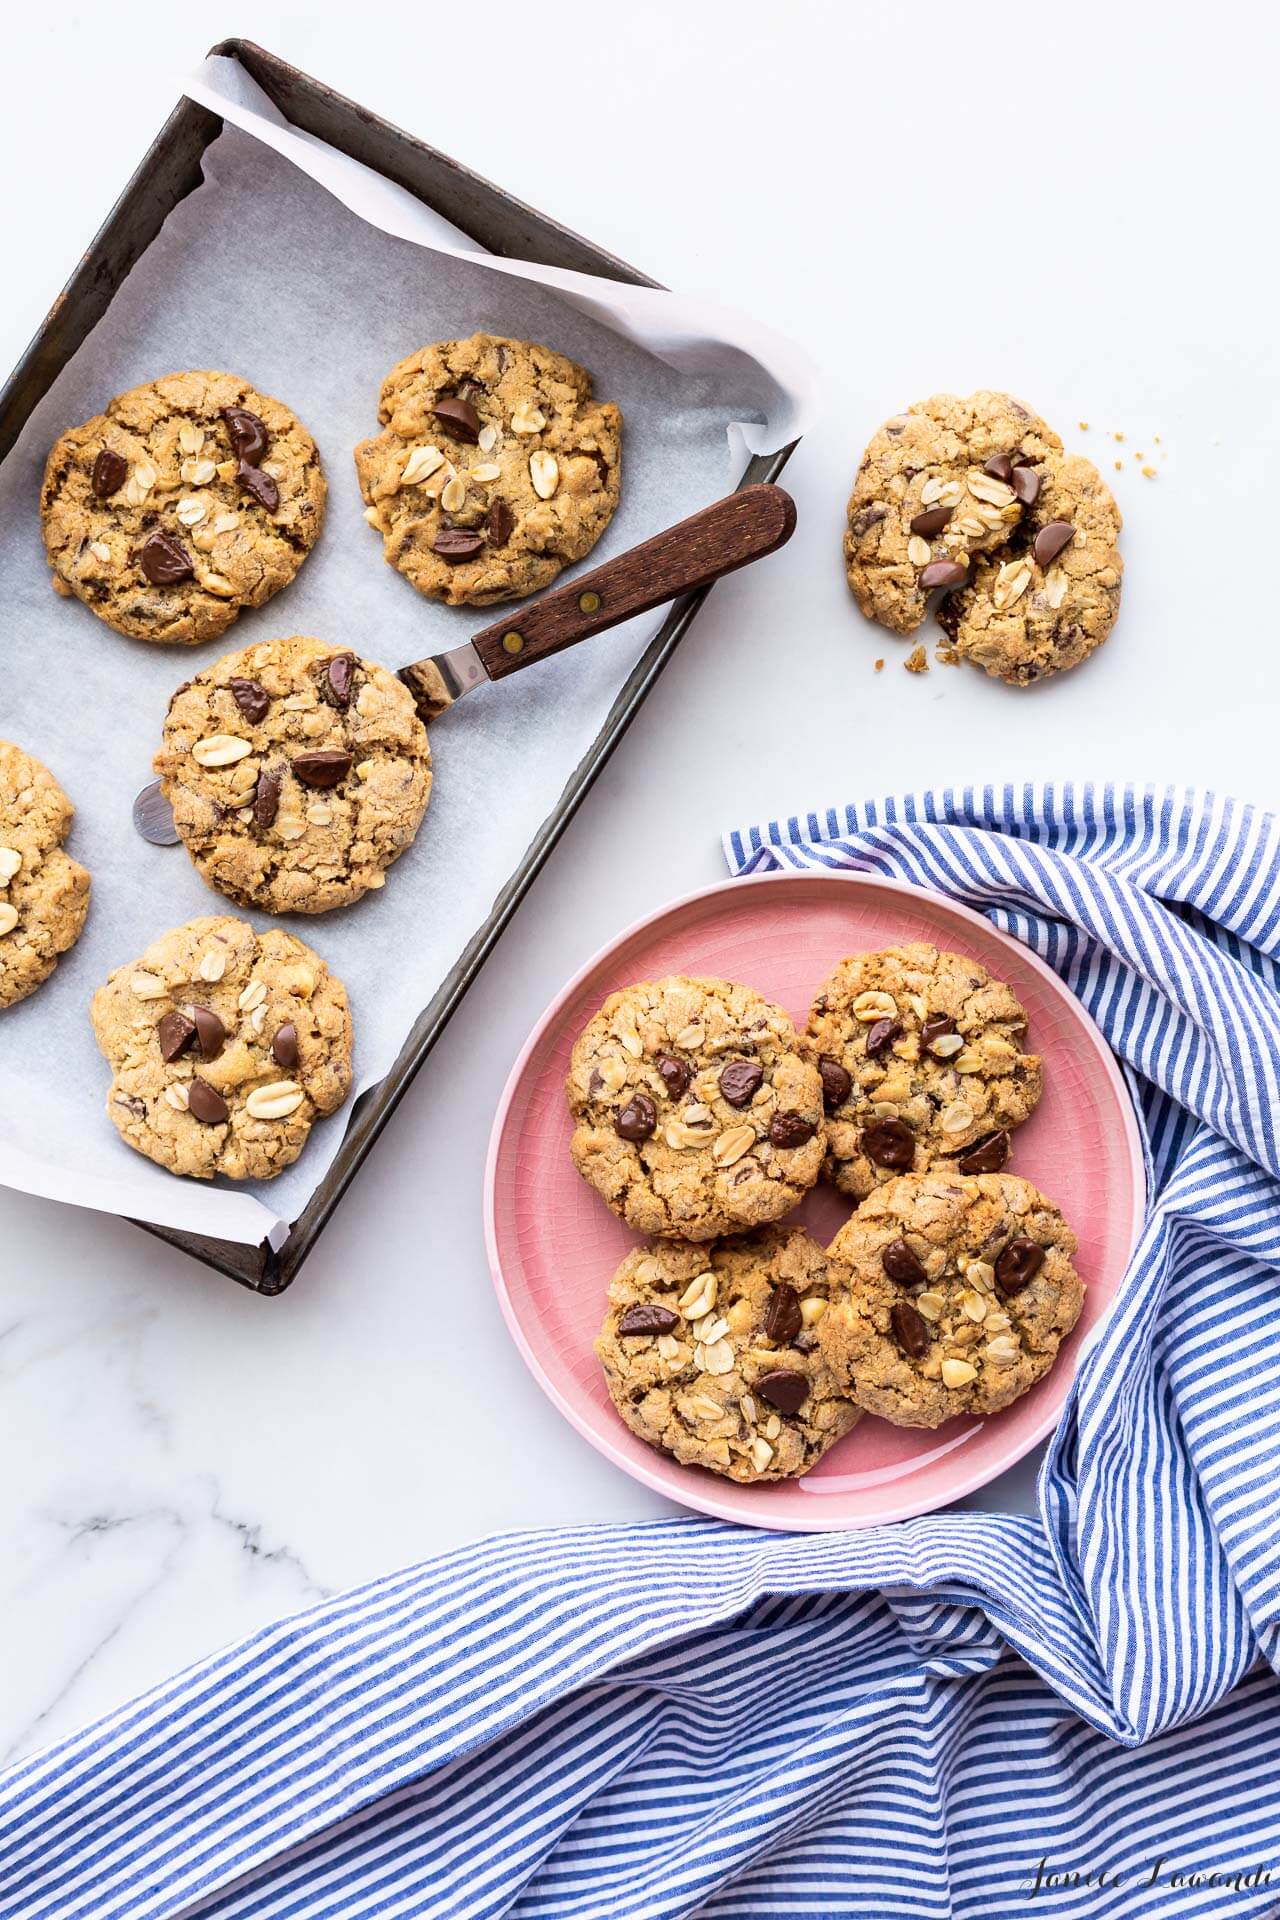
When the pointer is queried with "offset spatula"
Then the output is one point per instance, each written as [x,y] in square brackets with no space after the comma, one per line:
[719,539]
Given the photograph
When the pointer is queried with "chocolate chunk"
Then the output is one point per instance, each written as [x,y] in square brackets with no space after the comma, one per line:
[783,1389]
[109,470]
[1000,467]
[934,1028]
[676,1074]
[910,1329]
[456,544]
[175,1034]
[881,1036]
[266,799]
[210,1032]
[284,1045]
[248,435]
[646,1318]
[259,484]
[164,560]
[942,573]
[138,1108]
[931,521]
[324,768]
[890,1143]
[459,418]
[1018,1265]
[902,1266]
[206,1104]
[739,1081]
[987,1155]
[499,524]
[339,680]
[791,1130]
[783,1320]
[252,699]
[1025,482]
[1050,541]
[837,1082]
[637,1120]
[863,521]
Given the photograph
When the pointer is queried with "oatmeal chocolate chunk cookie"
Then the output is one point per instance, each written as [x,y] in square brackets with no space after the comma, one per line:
[186,500]
[921,1059]
[948,1295]
[494,470]
[710,1353]
[1044,602]
[297,772]
[696,1112]
[947,480]
[44,895]
[224,1045]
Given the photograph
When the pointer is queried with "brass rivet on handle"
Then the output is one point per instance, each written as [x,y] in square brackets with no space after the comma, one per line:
[512,642]
[589,602]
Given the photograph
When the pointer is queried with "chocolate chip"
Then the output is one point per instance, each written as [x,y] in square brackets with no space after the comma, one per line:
[783,1389]
[931,521]
[324,768]
[1018,1265]
[837,1083]
[252,699]
[987,1155]
[339,680]
[259,484]
[1050,541]
[206,1104]
[1025,482]
[266,799]
[890,1143]
[942,573]
[646,1318]
[109,470]
[934,1028]
[210,1032]
[911,1329]
[175,1034]
[284,1045]
[791,1130]
[881,1036]
[902,1266]
[783,1320]
[676,1074]
[456,544]
[164,560]
[869,517]
[1000,467]
[499,523]
[248,435]
[739,1080]
[459,417]
[637,1120]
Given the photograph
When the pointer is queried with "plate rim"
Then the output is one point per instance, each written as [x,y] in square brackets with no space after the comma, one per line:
[708,1501]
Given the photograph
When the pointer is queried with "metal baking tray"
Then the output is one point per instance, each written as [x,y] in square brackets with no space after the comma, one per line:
[502,225]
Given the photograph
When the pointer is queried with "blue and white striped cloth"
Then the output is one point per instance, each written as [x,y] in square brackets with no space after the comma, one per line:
[964,1715]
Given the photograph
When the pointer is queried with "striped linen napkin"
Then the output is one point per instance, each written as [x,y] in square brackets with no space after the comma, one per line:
[962,1715]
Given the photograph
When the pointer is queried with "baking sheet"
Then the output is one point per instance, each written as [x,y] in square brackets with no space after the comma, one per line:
[264,272]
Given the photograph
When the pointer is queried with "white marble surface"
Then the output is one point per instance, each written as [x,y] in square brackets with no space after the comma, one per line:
[927,202]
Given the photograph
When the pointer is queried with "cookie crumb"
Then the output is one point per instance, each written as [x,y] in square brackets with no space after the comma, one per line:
[1117,436]
[1083,425]
[1156,439]
[916,661]
[1148,473]
[1139,456]
[948,656]
[879,666]
[1119,466]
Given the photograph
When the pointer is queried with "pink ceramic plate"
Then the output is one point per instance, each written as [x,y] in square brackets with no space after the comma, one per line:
[553,1245]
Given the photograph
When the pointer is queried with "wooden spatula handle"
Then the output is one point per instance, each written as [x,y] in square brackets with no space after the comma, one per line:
[730,534]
